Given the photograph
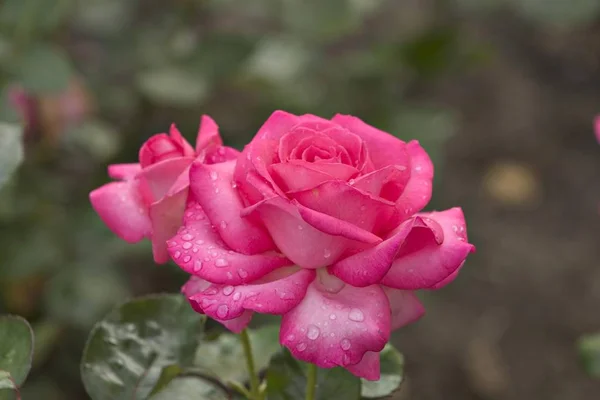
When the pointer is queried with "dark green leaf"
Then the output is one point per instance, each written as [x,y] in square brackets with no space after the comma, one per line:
[168,373]
[191,387]
[16,351]
[127,351]
[286,380]
[392,369]
[221,357]
[589,352]
[11,150]
[44,69]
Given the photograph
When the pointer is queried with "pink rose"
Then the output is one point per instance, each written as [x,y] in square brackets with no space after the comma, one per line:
[597,128]
[329,237]
[149,199]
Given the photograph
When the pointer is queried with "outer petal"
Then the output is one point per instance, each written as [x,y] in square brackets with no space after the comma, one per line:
[387,183]
[368,368]
[198,250]
[122,209]
[166,216]
[300,241]
[330,329]
[344,202]
[213,188]
[406,307]
[158,178]
[124,171]
[186,148]
[208,135]
[427,258]
[276,296]
[195,285]
[417,192]
[221,154]
[370,266]
[384,149]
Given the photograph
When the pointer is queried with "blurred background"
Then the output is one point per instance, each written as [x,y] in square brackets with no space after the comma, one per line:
[502,93]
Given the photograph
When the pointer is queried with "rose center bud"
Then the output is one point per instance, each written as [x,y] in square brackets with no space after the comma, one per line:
[159,148]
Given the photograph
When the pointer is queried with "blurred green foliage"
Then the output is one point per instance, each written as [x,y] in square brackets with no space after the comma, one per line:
[90,80]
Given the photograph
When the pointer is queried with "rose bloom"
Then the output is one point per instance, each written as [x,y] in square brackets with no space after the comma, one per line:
[318,220]
[149,198]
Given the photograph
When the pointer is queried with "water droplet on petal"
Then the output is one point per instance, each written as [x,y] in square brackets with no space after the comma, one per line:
[172,243]
[301,346]
[200,242]
[223,224]
[300,227]
[216,190]
[229,275]
[222,311]
[177,254]
[346,359]
[290,337]
[187,259]
[356,315]
[313,332]
[332,316]
[227,290]
[213,175]
[187,237]
[186,245]
[327,253]
[345,344]
[221,262]
[237,296]
[243,273]
[197,265]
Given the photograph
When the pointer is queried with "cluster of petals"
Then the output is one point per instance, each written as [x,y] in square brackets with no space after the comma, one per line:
[316,220]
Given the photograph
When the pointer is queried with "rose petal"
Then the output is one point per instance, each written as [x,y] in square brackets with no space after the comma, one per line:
[212,186]
[199,251]
[431,254]
[299,175]
[448,279]
[405,305]
[122,209]
[298,240]
[597,128]
[208,135]
[158,178]
[124,171]
[368,368]
[417,192]
[221,154]
[330,329]
[387,183]
[194,285]
[186,149]
[371,265]
[277,295]
[344,202]
[384,149]
[166,216]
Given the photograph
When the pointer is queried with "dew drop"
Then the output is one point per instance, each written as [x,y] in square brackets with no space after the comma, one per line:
[187,259]
[332,316]
[229,275]
[351,182]
[237,296]
[300,227]
[195,249]
[187,237]
[217,190]
[227,290]
[222,311]
[356,315]
[313,332]
[327,253]
[199,242]
[346,359]
[345,344]
[213,175]
[186,245]
[243,273]
[221,262]
[301,346]
[290,337]
[418,168]
[223,224]
[197,265]
[172,244]
[177,254]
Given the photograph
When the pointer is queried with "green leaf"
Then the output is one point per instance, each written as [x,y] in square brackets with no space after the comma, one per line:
[44,69]
[191,387]
[11,150]
[168,373]
[172,86]
[286,380]
[16,351]
[127,351]
[589,353]
[221,357]
[392,369]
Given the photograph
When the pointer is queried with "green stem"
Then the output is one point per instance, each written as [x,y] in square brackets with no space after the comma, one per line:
[254,392]
[311,382]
